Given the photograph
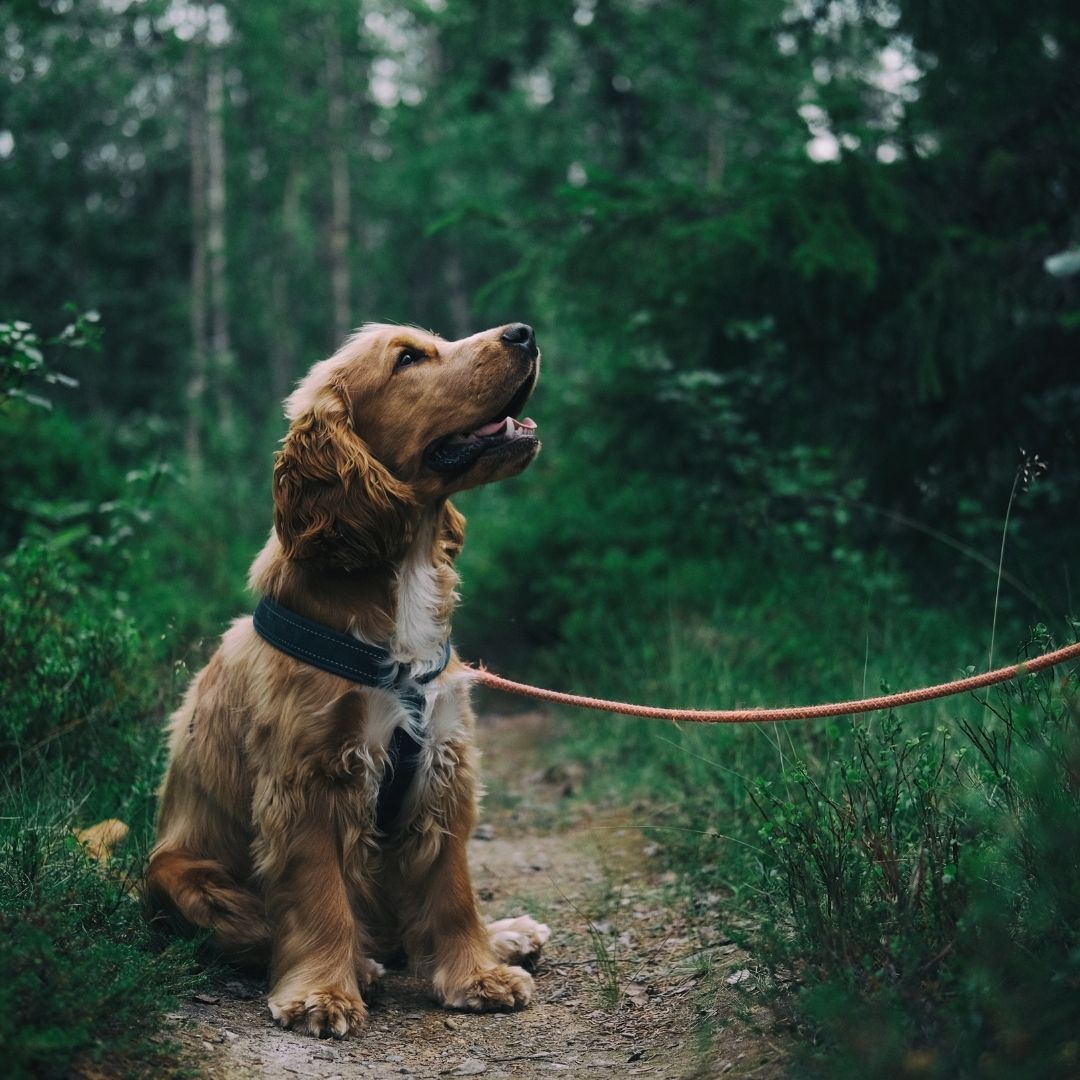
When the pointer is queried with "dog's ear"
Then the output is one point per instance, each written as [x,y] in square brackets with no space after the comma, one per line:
[333,502]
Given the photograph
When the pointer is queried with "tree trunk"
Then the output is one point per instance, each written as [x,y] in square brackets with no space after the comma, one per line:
[715,153]
[220,344]
[458,298]
[282,339]
[339,182]
[196,387]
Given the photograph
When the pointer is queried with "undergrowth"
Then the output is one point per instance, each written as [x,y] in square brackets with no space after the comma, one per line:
[922,893]
[84,985]
[912,880]
[88,673]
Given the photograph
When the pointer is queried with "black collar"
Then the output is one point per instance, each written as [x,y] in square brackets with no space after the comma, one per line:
[370,665]
[331,650]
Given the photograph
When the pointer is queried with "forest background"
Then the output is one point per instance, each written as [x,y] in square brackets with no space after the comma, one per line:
[805,278]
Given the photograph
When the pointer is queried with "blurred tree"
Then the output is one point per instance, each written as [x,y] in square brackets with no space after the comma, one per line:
[200,337]
[790,251]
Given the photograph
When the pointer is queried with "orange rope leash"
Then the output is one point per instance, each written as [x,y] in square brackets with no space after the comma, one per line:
[796,712]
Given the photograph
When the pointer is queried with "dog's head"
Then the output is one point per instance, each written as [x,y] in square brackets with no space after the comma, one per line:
[397,420]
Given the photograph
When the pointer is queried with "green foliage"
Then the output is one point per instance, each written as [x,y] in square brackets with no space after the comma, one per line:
[65,659]
[912,878]
[84,696]
[82,976]
[782,405]
[925,892]
[22,360]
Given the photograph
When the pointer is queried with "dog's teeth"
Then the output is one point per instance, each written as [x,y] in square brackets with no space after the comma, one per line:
[509,425]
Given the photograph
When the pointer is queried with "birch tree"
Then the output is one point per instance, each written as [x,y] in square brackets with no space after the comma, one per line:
[337,109]
[200,342]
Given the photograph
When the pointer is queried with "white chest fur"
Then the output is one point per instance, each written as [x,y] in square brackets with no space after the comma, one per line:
[421,628]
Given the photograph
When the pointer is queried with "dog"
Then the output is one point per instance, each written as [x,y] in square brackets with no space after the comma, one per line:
[289,826]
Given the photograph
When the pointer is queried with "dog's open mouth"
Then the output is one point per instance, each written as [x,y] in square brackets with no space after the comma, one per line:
[503,433]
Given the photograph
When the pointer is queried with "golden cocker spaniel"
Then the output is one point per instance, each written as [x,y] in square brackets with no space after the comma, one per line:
[315,817]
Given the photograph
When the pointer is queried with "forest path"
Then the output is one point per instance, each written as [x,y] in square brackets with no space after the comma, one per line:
[627,1007]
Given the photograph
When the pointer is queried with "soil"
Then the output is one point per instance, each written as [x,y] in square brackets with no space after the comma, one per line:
[632,983]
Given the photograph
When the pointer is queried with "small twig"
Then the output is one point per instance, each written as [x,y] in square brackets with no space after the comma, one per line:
[604,959]
[542,1055]
[700,757]
[57,734]
[1000,568]
[681,828]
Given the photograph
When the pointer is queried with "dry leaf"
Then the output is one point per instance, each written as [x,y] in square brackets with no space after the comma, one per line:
[100,839]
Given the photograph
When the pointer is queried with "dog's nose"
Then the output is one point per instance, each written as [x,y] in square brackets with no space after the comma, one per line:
[520,333]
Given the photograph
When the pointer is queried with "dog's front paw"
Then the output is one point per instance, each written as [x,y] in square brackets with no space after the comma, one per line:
[518,941]
[489,989]
[322,1013]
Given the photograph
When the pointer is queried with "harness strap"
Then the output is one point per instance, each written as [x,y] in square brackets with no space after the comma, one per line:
[403,753]
[340,654]
[402,761]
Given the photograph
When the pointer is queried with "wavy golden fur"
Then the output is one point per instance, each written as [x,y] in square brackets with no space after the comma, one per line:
[266,829]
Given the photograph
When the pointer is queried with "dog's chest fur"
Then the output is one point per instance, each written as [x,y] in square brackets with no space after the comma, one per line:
[424,595]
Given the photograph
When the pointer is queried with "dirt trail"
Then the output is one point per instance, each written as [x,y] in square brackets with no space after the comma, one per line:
[617,991]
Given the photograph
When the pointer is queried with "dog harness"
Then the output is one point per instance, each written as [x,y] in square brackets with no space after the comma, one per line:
[370,665]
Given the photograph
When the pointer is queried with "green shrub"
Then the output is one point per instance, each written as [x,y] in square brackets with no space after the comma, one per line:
[924,893]
[912,880]
[83,982]
[80,735]
[77,684]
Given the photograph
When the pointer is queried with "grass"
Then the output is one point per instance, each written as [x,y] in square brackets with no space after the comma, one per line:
[913,879]
[85,985]
[609,975]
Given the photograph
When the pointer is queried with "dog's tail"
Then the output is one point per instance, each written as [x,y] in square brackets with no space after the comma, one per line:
[193,893]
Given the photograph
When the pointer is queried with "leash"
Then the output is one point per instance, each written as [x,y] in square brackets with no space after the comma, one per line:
[795,712]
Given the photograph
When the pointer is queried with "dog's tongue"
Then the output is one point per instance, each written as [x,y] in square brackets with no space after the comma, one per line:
[507,424]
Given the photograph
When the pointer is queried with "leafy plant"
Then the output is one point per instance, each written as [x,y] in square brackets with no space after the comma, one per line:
[82,975]
[22,356]
[925,893]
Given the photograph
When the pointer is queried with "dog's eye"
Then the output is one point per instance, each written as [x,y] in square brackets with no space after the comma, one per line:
[407,357]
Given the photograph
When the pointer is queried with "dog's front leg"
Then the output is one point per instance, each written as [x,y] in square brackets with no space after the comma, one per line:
[313,972]
[445,932]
